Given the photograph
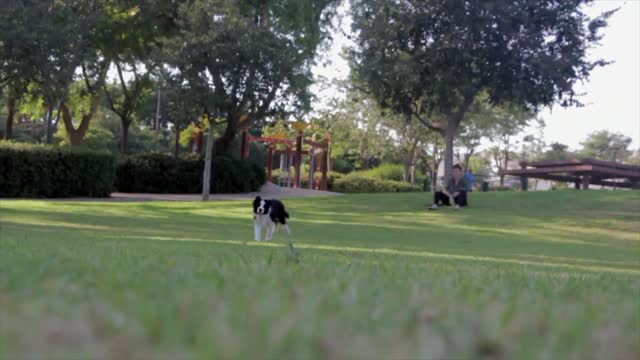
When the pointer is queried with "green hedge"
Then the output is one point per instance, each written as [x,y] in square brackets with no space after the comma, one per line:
[501,188]
[355,183]
[159,174]
[385,171]
[39,171]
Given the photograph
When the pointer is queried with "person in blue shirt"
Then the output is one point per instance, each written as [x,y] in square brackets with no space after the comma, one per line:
[470,179]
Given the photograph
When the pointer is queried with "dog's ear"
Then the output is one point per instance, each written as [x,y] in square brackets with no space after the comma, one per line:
[258,198]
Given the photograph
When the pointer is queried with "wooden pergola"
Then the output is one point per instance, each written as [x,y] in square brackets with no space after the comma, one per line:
[294,151]
[582,172]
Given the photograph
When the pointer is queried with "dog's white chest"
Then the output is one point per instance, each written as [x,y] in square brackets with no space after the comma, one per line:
[262,220]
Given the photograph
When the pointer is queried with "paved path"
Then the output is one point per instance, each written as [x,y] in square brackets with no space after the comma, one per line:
[269,190]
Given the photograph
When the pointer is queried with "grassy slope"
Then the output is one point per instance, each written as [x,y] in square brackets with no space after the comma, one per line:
[517,275]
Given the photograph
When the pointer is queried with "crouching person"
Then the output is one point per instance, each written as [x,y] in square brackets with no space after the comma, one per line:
[456,191]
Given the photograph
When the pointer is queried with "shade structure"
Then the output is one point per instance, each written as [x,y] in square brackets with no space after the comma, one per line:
[582,172]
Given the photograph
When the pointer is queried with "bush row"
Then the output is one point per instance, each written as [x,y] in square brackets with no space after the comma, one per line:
[38,171]
[355,183]
[157,173]
[385,171]
[42,171]
[388,171]
[501,188]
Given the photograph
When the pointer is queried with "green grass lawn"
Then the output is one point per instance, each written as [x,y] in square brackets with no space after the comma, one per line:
[552,275]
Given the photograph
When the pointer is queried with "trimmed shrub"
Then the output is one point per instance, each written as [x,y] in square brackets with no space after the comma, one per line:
[385,171]
[501,188]
[355,183]
[39,171]
[156,173]
[342,165]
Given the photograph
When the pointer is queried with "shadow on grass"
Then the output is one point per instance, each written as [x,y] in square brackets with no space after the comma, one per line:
[547,261]
[375,224]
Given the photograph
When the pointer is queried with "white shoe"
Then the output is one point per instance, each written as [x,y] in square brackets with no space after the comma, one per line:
[433,207]
[457,207]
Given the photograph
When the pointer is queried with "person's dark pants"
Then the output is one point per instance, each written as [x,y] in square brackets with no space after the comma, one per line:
[439,198]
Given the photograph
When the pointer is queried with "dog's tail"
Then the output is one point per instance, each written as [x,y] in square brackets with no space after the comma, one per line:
[286,214]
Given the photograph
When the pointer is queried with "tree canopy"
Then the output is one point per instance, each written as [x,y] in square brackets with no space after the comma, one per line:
[606,145]
[430,59]
[425,74]
[248,59]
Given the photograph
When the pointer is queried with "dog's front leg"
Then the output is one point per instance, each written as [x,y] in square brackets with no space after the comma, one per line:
[257,228]
[270,231]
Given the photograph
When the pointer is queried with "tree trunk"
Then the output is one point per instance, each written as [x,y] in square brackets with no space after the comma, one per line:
[448,150]
[177,148]
[406,169]
[329,162]
[408,164]
[467,157]
[75,138]
[47,125]
[206,180]
[11,109]
[224,142]
[54,126]
[428,171]
[365,162]
[434,177]
[436,163]
[453,121]
[75,135]
[157,124]
[124,136]
[505,166]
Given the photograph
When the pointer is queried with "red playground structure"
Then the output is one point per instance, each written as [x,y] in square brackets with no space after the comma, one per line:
[292,155]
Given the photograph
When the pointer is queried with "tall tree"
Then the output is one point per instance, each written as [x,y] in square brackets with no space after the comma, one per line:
[77,124]
[634,159]
[467,142]
[533,145]
[44,42]
[409,136]
[360,130]
[179,105]
[480,120]
[558,151]
[248,57]
[431,155]
[124,98]
[606,145]
[430,59]
[19,51]
[511,121]
[135,28]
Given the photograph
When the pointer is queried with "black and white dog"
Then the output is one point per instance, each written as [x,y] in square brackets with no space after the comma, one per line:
[268,213]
